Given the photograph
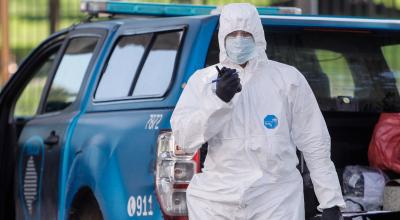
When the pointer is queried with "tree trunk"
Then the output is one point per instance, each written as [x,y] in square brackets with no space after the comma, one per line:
[5,51]
[54,14]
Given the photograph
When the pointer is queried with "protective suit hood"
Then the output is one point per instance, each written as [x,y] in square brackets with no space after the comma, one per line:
[245,17]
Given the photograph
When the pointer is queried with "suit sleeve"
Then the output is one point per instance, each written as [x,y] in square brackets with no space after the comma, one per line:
[311,136]
[199,114]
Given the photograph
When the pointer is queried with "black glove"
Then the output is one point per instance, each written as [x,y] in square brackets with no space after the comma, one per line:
[228,84]
[332,214]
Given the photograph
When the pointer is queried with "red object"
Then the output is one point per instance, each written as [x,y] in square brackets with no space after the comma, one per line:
[384,148]
[176,218]
[196,159]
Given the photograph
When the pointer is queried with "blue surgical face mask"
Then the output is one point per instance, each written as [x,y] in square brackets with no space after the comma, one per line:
[240,49]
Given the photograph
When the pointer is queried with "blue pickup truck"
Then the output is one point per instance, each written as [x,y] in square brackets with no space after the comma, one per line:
[97,143]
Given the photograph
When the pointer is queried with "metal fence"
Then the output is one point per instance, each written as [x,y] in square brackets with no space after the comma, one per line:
[25,23]
[31,21]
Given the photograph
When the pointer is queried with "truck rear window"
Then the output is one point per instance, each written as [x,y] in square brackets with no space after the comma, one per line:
[353,71]
[140,66]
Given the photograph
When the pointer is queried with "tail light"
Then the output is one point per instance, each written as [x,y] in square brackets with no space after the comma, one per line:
[174,170]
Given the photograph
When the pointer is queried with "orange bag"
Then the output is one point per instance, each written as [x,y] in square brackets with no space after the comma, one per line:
[384,148]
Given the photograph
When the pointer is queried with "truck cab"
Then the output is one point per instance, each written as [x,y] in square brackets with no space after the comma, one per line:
[96,142]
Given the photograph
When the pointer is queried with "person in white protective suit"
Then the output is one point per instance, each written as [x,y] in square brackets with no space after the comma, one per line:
[253,112]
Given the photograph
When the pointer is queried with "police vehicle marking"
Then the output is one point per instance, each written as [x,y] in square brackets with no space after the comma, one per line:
[140,206]
[30,178]
[153,122]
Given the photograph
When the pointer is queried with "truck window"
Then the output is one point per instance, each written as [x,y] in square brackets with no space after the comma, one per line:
[140,66]
[122,67]
[28,102]
[336,68]
[70,73]
[348,71]
[158,69]
[391,52]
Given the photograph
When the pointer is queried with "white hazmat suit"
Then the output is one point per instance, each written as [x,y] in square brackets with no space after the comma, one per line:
[250,169]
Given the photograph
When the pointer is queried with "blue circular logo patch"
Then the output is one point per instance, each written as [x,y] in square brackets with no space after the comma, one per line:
[270,121]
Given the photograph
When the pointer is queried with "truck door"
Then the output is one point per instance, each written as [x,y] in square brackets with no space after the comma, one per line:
[132,104]
[40,145]
[128,112]
[19,101]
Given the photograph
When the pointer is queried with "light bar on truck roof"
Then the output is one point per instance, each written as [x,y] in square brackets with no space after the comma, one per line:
[167,10]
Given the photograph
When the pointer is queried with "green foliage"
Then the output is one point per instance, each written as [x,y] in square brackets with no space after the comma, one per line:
[390,53]
[28,102]
[29,23]
[389,3]
[337,69]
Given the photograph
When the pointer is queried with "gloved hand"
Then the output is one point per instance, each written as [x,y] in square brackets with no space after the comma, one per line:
[228,84]
[332,214]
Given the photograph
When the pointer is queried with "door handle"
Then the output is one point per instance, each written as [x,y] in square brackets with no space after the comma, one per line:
[52,139]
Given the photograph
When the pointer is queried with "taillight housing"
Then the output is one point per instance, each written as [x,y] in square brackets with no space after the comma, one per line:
[174,170]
